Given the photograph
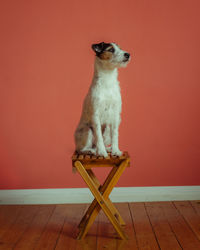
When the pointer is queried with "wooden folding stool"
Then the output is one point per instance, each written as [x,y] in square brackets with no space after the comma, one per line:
[84,165]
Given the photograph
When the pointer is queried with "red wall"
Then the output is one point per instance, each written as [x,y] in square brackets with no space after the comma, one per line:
[46,66]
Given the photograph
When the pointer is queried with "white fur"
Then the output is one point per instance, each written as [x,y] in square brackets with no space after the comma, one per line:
[100,119]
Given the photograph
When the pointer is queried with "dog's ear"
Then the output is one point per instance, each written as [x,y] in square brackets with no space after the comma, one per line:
[98,48]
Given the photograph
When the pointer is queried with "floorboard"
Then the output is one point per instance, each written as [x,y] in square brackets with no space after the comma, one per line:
[18,227]
[107,237]
[196,206]
[8,215]
[125,212]
[164,234]
[190,215]
[90,241]
[184,234]
[145,235]
[50,235]
[33,233]
[67,238]
[151,225]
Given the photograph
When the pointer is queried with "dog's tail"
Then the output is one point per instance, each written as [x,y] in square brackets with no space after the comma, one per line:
[74,170]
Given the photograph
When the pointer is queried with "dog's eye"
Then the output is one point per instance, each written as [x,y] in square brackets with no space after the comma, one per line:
[112,50]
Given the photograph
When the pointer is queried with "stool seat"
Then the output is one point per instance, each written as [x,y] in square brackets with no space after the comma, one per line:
[84,164]
[91,161]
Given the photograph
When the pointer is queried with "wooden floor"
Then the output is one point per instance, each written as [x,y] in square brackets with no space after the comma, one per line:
[152,225]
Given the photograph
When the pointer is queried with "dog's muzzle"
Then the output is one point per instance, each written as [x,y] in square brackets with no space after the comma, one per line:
[126,57]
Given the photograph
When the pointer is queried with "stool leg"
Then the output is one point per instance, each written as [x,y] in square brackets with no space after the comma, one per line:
[94,208]
[102,202]
[100,199]
[90,217]
[102,190]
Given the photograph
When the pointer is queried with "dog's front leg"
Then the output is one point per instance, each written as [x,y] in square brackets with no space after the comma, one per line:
[114,138]
[100,147]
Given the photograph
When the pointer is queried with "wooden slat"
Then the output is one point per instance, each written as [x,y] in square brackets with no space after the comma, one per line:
[183,232]
[88,157]
[81,157]
[161,227]
[190,215]
[98,165]
[35,229]
[146,238]
[122,157]
[90,161]
[74,157]
[108,157]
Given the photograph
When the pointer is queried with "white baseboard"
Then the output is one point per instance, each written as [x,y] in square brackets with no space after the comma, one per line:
[83,195]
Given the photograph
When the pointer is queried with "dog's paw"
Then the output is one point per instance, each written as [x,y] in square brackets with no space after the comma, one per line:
[117,152]
[93,151]
[102,153]
[109,149]
[89,151]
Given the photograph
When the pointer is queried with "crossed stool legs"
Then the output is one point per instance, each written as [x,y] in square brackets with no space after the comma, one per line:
[101,193]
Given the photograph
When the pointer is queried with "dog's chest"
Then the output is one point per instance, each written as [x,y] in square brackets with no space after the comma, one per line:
[108,102]
[110,98]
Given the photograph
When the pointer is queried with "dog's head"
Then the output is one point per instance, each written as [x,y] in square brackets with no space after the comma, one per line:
[111,54]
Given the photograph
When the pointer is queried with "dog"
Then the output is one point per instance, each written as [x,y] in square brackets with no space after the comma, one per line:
[97,131]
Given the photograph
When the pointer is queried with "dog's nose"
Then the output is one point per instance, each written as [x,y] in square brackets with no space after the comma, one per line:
[126,55]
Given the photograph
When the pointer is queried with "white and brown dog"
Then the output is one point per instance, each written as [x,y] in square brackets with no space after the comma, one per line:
[97,131]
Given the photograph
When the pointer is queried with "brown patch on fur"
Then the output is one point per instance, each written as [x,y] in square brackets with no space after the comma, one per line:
[106,55]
